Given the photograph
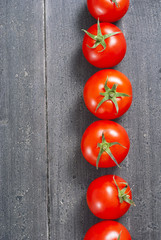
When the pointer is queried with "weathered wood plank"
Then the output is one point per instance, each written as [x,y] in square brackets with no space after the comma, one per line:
[23,190]
[142,65]
[68,71]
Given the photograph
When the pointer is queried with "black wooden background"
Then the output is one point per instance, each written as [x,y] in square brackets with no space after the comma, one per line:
[43,176]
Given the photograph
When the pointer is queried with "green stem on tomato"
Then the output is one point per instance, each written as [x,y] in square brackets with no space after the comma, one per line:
[123,197]
[119,236]
[111,94]
[99,38]
[116,3]
[105,147]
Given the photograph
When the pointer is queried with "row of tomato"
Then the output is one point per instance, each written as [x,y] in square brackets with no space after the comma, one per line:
[108,95]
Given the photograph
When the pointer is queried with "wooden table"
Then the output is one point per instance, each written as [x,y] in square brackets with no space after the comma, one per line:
[43,176]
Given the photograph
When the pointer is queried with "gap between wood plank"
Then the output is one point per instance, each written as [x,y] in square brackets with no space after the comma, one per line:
[47,129]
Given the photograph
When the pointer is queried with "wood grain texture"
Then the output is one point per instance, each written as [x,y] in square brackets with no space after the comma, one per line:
[23,177]
[29,154]
[67,72]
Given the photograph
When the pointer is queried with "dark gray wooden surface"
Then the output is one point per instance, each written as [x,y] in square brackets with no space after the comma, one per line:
[23,161]
[43,176]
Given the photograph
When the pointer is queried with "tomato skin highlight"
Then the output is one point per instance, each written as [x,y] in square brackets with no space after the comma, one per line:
[106,10]
[115,47]
[107,230]
[95,85]
[103,200]
[113,132]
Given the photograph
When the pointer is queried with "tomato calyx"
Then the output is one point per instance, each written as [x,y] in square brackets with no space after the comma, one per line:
[123,197]
[105,147]
[111,94]
[116,3]
[99,38]
[119,236]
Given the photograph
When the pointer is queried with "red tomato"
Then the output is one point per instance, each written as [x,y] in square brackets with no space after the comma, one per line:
[105,144]
[116,99]
[109,197]
[108,230]
[104,45]
[108,10]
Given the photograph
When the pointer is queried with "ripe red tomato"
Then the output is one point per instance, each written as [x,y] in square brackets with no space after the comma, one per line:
[108,10]
[104,45]
[105,144]
[108,230]
[109,197]
[108,94]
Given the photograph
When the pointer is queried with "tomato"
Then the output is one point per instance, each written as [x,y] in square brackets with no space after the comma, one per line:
[109,197]
[104,45]
[108,230]
[108,94]
[105,144]
[108,10]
